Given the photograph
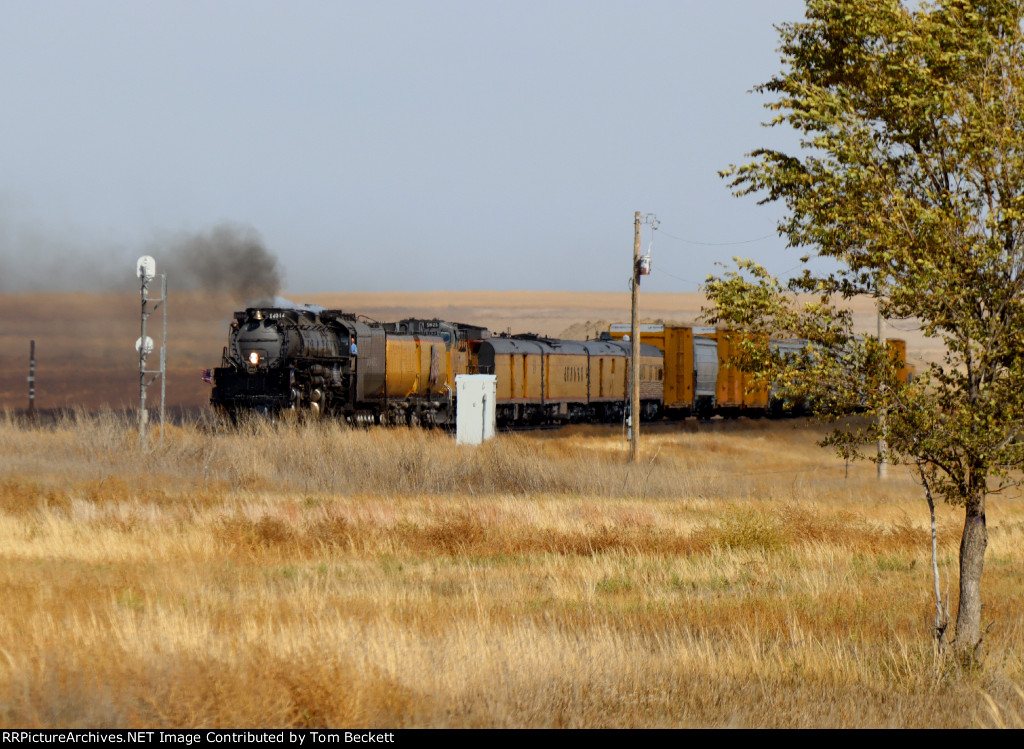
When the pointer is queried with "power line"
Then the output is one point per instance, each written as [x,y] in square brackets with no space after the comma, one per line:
[716,244]
[662,270]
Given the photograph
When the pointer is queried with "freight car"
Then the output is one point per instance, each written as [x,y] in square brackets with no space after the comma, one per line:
[700,378]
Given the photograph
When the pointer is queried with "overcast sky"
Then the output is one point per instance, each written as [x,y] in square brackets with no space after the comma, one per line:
[406,145]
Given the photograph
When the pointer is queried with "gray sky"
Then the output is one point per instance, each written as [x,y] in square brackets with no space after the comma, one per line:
[375,146]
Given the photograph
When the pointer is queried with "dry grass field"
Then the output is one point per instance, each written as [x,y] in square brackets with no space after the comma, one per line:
[85,354]
[312,575]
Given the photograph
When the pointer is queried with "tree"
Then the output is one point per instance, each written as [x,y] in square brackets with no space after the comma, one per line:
[910,178]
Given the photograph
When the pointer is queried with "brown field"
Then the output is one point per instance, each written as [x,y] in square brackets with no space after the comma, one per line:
[85,342]
[311,575]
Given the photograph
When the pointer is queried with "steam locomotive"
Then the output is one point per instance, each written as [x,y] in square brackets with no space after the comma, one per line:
[324,362]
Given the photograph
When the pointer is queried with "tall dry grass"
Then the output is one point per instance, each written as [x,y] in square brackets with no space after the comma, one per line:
[312,575]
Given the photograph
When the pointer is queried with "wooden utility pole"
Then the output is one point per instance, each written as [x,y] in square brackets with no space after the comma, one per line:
[634,339]
[883,448]
[32,382]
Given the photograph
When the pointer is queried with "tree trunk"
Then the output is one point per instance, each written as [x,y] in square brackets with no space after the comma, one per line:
[972,562]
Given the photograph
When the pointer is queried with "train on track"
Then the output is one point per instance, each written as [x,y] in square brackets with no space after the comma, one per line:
[331,363]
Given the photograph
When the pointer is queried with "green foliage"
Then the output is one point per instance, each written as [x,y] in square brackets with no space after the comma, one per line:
[911,177]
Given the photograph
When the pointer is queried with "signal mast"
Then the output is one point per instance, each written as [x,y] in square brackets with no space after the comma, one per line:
[145,269]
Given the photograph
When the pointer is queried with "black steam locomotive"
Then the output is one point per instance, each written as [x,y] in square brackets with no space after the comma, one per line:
[278,358]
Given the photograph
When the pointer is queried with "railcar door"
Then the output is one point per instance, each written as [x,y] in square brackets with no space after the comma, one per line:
[705,363]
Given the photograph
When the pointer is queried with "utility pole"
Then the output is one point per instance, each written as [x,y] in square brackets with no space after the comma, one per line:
[634,339]
[32,383]
[883,448]
[641,267]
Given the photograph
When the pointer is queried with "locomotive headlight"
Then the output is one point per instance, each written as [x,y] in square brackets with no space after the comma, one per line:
[254,358]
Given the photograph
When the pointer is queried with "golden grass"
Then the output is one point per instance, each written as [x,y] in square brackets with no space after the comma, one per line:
[311,575]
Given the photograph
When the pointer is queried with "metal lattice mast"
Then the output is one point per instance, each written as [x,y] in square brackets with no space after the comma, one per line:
[146,271]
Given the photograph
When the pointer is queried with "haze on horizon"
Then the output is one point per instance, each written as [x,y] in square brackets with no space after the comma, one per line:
[405,146]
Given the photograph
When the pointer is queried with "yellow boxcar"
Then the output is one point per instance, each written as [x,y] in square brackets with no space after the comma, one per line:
[735,388]
[416,366]
[898,350]
[679,367]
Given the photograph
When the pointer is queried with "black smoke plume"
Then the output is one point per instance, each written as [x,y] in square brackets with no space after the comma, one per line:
[229,258]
